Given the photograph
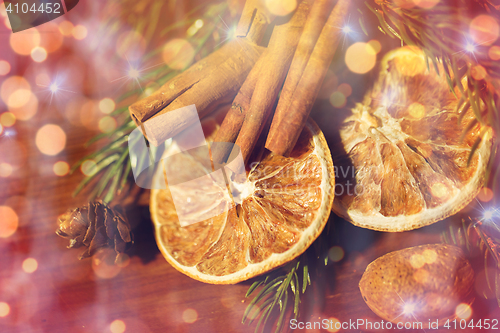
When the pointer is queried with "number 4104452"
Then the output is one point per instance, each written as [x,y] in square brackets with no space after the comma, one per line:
[48,8]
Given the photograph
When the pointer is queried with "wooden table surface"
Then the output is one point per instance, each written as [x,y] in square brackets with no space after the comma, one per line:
[64,294]
[148,295]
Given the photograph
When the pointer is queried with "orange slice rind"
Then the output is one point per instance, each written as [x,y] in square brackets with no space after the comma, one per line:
[405,145]
[286,202]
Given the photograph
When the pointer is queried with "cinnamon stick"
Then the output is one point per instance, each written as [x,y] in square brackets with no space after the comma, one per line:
[208,83]
[276,63]
[286,133]
[312,29]
[147,107]
[207,94]
[254,21]
[231,126]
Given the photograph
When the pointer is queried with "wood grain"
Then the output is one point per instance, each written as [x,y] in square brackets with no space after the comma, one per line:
[148,295]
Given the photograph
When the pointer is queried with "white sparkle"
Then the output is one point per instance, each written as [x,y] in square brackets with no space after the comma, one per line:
[53,88]
[133,73]
[471,48]
[488,215]
[346,29]
[409,308]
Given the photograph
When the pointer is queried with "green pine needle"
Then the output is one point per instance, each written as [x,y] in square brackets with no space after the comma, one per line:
[113,168]
[273,296]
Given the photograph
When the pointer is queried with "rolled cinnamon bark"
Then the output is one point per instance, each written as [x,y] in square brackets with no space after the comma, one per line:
[208,83]
[254,21]
[147,107]
[231,126]
[207,93]
[285,134]
[276,63]
[315,22]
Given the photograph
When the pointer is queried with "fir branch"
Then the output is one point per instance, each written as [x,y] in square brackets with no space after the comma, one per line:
[275,293]
[473,237]
[112,166]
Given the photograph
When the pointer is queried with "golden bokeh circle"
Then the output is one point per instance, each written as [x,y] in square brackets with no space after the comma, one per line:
[50,139]
[359,59]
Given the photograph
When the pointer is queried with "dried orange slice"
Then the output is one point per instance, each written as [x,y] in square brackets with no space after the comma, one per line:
[402,162]
[287,203]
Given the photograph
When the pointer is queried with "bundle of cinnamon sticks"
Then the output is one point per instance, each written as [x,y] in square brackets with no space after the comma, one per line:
[250,77]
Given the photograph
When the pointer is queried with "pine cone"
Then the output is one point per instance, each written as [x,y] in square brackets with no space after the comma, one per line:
[95,226]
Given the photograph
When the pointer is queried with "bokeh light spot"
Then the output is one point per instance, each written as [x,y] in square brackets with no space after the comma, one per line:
[375,46]
[51,37]
[413,63]
[66,28]
[4,309]
[426,3]
[463,311]
[88,167]
[416,110]
[281,7]
[484,30]
[417,261]
[79,32]
[8,221]
[439,190]
[4,67]
[7,119]
[478,72]
[358,59]
[117,326]
[336,253]
[103,264]
[28,110]
[337,99]
[189,316]
[19,98]
[107,124]
[50,139]
[178,53]
[30,265]
[106,105]
[122,260]
[12,84]
[38,54]
[494,52]
[485,194]
[61,168]
[430,256]
[405,4]
[345,89]
[89,114]
[195,27]
[23,42]
[334,325]
[6,170]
